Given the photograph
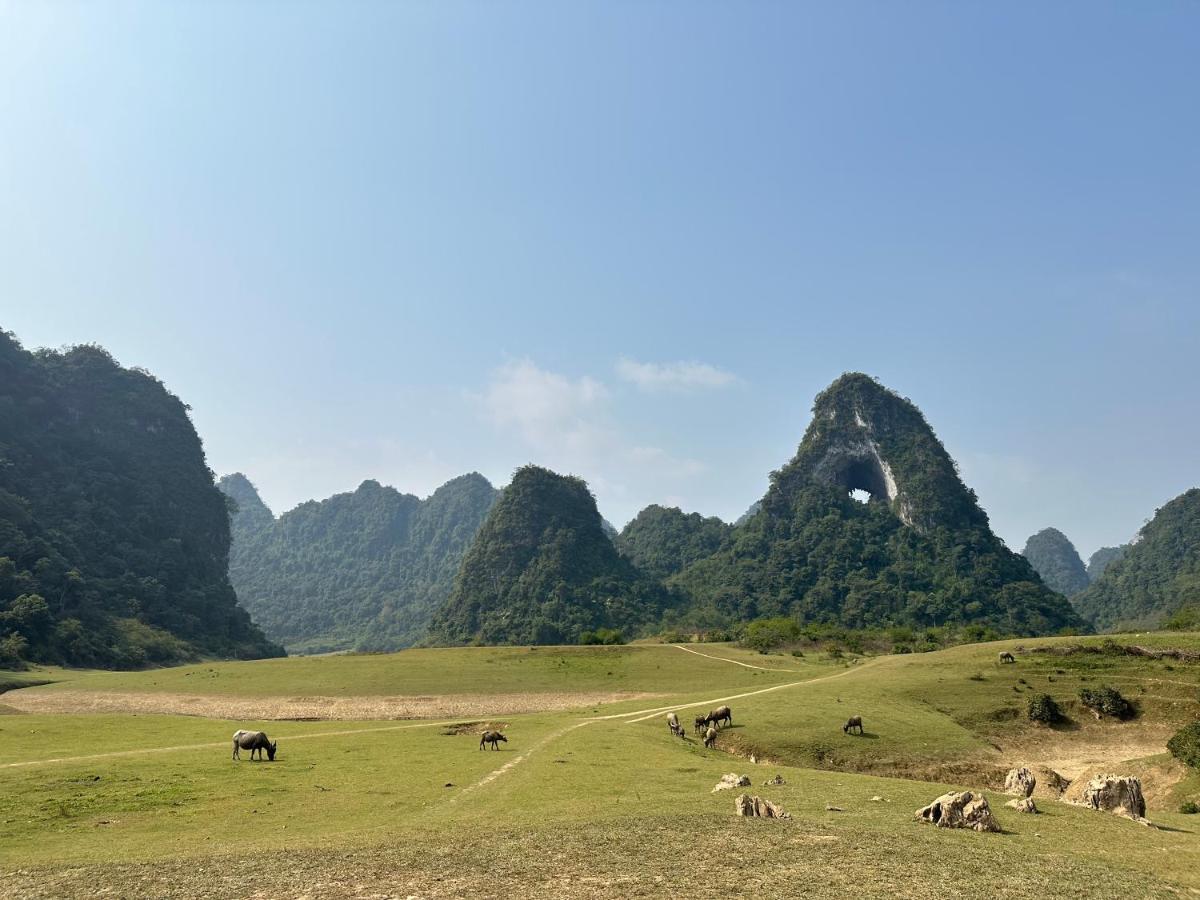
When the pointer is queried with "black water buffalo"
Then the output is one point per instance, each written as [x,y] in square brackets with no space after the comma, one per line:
[493,738]
[852,723]
[720,715]
[254,741]
[1006,657]
[701,722]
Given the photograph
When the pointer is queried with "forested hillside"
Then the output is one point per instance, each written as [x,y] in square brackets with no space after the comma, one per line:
[1056,560]
[1156,576]
[114,541]
[362,570]
[543,571]
[918,552]
[662,541]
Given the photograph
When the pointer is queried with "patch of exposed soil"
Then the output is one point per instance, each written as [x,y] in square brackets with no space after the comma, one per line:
[308,708]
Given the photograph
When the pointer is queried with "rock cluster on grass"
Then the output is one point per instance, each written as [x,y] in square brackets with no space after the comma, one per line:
[777,780]
[965,809]
[731,781]
[1023,805]
[1020,782]
[1117,794]
[745,805]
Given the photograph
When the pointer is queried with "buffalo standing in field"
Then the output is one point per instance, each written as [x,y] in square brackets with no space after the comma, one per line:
[673,724]
[254,741]
[1006,657]
[701,722]
[852,723]
[493,738]
[720,715]
[710,737]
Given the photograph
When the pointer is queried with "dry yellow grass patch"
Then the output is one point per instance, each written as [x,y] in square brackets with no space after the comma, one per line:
[309,708]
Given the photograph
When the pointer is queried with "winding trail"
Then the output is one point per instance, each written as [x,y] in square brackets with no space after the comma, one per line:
[731,661]
[644,714]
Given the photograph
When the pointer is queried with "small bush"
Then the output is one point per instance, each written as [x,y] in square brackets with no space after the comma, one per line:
[978,676]
[767,634]
[1189,807]
[602,636]
[798,653]
[1107,702]
[1185,745]
[1043,708]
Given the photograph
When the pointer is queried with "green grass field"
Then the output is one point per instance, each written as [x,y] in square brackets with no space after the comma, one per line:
[596,800]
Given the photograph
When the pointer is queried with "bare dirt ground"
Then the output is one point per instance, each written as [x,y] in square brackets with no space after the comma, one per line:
[309,708]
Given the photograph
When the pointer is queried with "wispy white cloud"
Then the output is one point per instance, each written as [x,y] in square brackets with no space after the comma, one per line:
[549,410]
[673,376]
[569,425]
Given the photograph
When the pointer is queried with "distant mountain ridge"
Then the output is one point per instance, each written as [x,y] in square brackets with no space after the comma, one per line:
[1056,560]
[362,570]
[114,541]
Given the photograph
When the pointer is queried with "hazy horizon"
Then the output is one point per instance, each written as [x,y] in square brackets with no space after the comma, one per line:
[410,241]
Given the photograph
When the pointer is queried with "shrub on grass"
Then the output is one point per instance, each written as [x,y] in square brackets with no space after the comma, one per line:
[1189,807]
[1185,745]
[602,636]
[1044,709]
[1106,701]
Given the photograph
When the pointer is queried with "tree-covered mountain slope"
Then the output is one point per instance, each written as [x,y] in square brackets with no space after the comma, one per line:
[543,571]
[362,570]
[662,541]
[918,552]
[1158,573]
[1057,561]
[114,541]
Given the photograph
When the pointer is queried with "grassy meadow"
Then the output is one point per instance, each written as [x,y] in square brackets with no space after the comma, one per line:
[595,799]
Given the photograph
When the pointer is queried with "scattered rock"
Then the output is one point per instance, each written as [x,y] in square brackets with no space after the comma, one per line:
[1117,794]
[829,807]
[966,809]
[1023,805]
[449,784]
[731,781]
[1020,782]
[745,805]
[876,799]
[778,779]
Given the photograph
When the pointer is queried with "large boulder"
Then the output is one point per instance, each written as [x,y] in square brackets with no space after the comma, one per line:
[745,805]
[965,809]
[1020,782]
[1117,794]
[731,781]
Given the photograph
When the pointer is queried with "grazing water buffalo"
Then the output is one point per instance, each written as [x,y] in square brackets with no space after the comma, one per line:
[701,724]
[673,724]
[722,714]
[852,723]
[1006,657]
[710,737]
[253,741]
[492,737]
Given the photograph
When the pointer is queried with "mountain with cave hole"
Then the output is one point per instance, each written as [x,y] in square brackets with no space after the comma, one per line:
[869,525]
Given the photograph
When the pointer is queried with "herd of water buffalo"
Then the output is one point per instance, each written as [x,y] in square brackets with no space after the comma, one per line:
[707,725]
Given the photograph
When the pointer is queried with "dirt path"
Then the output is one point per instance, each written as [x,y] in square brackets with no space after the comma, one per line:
[644,714]
[731,661]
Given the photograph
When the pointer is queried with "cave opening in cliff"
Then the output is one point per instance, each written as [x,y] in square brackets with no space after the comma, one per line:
[863,480]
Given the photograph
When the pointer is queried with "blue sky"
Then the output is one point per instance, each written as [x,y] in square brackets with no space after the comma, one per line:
[626,240]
